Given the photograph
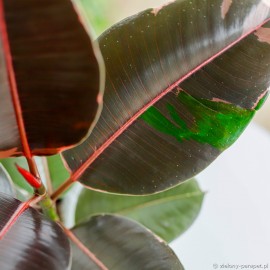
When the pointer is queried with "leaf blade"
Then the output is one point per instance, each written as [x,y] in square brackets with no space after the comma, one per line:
[167,214]
[9,165]
[32,242]
[56,61]
[6,185]
[109,234]
[58,172]
[144,69]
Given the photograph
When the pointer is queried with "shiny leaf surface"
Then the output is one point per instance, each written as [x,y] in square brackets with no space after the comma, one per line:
[6,185]
[168,214]
[18,180]
[57,171]
[32,242]
[182,83]
[49,77]
[121,244]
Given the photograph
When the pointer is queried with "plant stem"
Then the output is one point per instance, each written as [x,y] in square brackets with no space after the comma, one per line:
[19,115]
[49,209]
[47,175]
[83,248]
[62,188]
[33,167]
[47,205]
[21,208]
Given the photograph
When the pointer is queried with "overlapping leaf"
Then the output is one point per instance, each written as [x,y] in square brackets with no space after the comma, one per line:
[183,81]
[167,214]
[57,171]
[49,77]
[10,166]
[6,185]
[32,242]
[121,244]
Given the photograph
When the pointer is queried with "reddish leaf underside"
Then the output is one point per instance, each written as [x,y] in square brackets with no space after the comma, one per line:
[49,77]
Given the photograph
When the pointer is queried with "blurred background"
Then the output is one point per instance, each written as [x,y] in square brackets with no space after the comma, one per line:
[233,226]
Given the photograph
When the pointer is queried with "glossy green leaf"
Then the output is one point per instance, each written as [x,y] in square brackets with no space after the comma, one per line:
[17,179]
[57,171]
[168,214]
[32,242]
[182,83]
[121,244]
[6,185]
[20,189]
[49,78]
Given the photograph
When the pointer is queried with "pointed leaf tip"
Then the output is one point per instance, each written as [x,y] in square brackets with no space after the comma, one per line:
[31,179]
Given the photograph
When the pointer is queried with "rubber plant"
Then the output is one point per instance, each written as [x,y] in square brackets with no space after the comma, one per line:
[182,83]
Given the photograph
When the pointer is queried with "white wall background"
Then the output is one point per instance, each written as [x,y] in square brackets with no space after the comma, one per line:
[234,224]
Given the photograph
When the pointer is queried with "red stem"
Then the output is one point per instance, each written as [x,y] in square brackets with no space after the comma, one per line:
[19,211]
[62,188]
[83,248]
[14,92]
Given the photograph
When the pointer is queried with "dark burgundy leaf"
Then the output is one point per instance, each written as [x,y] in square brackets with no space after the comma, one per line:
[183,82]
[49,77]
[121,244]
[32,242]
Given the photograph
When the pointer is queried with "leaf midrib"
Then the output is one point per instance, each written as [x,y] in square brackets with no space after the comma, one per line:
[160,201]
[83,167]
[148,204]
[13,84]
